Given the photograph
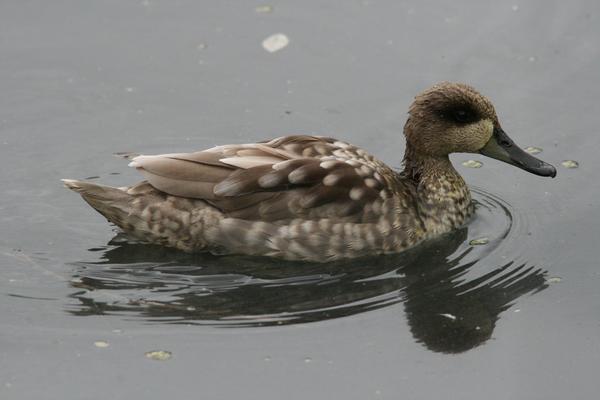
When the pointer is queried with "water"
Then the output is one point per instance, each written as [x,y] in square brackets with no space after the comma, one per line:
[516,317]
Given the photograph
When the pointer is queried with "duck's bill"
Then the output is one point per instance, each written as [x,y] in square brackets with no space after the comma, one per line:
[502,148]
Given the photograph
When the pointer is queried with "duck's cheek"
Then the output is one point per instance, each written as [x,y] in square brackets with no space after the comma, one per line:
[485,130]
[474,136]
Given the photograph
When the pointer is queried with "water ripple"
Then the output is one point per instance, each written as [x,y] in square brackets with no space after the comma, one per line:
[451,292]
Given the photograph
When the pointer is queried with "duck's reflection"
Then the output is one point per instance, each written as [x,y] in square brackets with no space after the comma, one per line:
[447,310]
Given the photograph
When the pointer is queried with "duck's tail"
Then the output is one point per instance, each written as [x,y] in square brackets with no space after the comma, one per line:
[145,213]
[113,203]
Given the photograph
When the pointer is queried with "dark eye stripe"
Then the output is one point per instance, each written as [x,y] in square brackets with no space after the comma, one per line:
[460,115]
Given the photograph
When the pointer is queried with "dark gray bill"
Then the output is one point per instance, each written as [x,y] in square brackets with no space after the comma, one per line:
[502,148]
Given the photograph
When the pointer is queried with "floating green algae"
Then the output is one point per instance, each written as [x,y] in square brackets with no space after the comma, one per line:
[472,164]
[158,355]
[479,241]
[570,164]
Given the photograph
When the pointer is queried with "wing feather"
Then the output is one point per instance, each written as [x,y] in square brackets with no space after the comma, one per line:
[285,178]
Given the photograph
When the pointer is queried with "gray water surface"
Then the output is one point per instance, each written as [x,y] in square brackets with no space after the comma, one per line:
[516,318]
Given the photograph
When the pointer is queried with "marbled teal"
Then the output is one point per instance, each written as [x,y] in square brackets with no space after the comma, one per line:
[310,197]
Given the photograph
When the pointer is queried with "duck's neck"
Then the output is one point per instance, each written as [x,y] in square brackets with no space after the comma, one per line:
[444,200]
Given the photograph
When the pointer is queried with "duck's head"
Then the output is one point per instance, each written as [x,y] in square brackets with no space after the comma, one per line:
[455,118]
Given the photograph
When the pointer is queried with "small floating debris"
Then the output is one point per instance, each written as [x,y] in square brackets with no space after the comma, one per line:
[125,154]
[570,164]
[479,241]
[129,89]
[307,360]
[553,279]
[472,164]
[201,46]
[533,150]
[449,316]
[101,344]
[158,355]
[275,42]
[264,9]
[515,7]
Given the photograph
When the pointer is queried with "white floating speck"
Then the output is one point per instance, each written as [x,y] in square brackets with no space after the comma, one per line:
[201,46]
[190,308]
[308,360]
[532,59]
[129,89]
[553,279]
[449,316]
[472,164]
[533,150]
[515,7]
[275,42]
[101,344]
[570,164]
[518,310]
[264,9]
[158,355]
[479,241]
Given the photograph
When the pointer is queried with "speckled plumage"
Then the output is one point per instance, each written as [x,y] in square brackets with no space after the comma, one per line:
[304,197]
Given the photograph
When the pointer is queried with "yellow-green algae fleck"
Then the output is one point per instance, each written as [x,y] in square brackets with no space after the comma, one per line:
[472,164]
[159,355]
[264,9]
[533,150]
[570,164]
[479,241]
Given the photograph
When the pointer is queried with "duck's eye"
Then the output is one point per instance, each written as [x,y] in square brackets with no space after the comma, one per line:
[461,115]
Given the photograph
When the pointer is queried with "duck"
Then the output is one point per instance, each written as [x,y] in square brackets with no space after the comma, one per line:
[314,198]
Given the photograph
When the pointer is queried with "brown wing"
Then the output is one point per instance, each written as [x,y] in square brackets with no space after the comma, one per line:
[285,178]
